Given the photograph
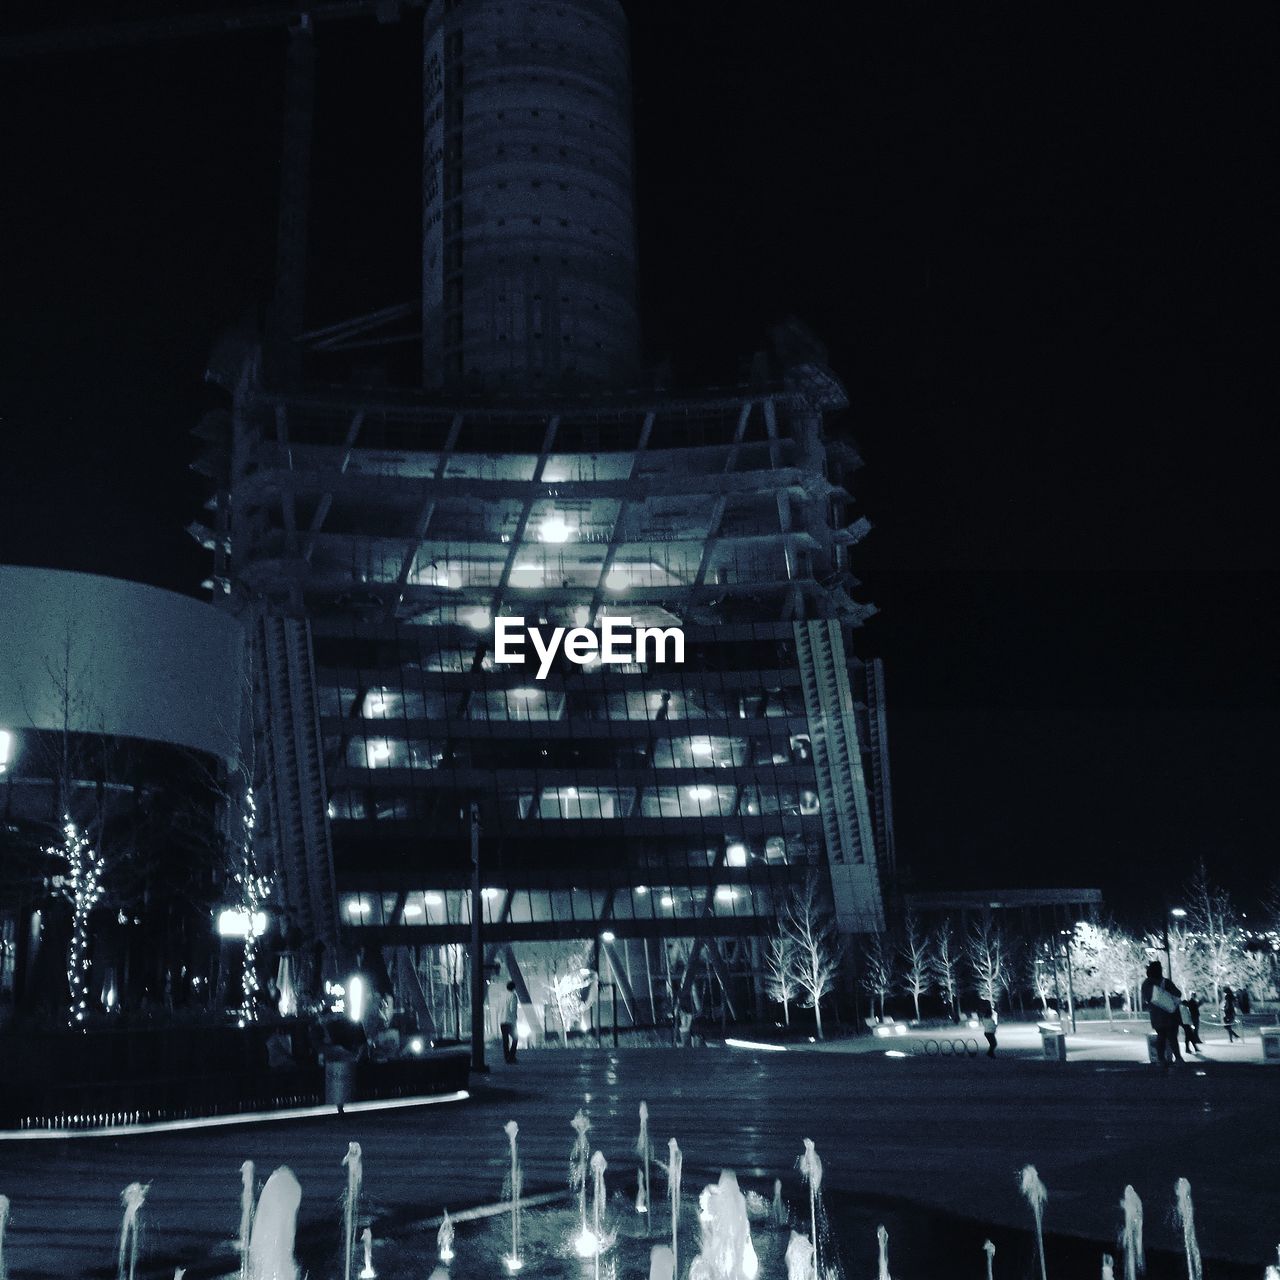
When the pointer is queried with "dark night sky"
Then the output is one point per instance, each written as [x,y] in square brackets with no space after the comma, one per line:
[1041,247]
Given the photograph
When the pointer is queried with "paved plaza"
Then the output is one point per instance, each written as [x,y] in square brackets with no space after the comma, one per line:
[947,1134]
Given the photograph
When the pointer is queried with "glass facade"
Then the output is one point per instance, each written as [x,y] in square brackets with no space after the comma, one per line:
[646,800]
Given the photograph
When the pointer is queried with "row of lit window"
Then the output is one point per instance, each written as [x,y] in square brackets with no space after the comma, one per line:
[578,803]
[384,752]
[576,906]
[678,700]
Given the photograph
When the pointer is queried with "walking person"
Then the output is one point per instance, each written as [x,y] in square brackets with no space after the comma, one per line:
[1163,999]
[510,1016]
[1191,1022]
[1229,1014]
[990,1020]
[1188,1020]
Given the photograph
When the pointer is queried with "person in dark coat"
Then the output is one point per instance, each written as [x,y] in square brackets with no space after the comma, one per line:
[1229,1014]
[1163,1000]
[1191,1022]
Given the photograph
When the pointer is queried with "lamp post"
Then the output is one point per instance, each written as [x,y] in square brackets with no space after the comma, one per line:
[1177,913]
[477,949]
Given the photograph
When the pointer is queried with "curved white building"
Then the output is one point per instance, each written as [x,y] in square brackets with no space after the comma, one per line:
[141,662]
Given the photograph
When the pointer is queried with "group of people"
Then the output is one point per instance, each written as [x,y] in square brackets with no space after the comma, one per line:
[1172,1013]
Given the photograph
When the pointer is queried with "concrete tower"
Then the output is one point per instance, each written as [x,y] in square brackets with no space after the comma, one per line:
[529,257]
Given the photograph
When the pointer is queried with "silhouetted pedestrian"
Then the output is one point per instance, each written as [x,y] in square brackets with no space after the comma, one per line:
[510,1018]
[990,1021]
[1191,1022]
[1229,1014]
[1162,998]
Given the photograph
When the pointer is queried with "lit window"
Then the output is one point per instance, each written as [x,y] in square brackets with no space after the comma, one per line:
[554,528]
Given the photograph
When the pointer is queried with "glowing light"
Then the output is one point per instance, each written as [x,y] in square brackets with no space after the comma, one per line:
[668,900]
[512,1264]
[554,529]
[6,749]
[755,1044]
[585,1243]
[356,995]
[527,693]
[412,911]
[736,855]
[894,1053]
[1178,913]
[642,889]
[701,746]
[490,893]
[476,619]
[607,936]
[234,923]
[358,908]
[434,899]
[446,1254]
[701,793]
[379,751]
[725,894]
[416,1045]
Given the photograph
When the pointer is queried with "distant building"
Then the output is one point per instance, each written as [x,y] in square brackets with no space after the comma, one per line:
[651,814]
[1028,913]
[120,708]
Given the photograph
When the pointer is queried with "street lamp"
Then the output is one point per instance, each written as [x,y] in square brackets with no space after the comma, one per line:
[1176,913]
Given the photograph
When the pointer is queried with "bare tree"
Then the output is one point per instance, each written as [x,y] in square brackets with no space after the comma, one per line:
[1213,926]
[916,959]
[946,961]
[985,949]
[877,970]
[812,930]
[780,978]
[1041,975]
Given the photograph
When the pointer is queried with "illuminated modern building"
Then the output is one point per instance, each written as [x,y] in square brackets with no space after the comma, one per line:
[658,813]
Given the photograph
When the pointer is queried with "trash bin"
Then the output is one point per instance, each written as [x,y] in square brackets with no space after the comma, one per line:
[1153,1052]
[339,1081]
[1053,1043]
[1271,1044]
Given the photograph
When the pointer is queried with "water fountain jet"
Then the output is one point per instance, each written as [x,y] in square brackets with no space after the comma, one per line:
[274,1225]
[1036,1193]
[1186,1216]
[799,1258]
[513,1260]
[727,1252]
[1108,1267]
[642,1150]
[444,1239]
[598,1166]
[132,1197]
[584,1243]
[1131,1241]
[4,1222]
[246,1217]
[811,1167]
[990,1250]
[367,1272]
[674,1166]
[351,1206]
[882,1237]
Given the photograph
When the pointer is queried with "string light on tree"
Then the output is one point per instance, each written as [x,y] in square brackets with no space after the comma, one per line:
[82,887]
[253,893]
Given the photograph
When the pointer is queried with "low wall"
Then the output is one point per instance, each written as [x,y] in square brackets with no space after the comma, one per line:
[89,1080]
